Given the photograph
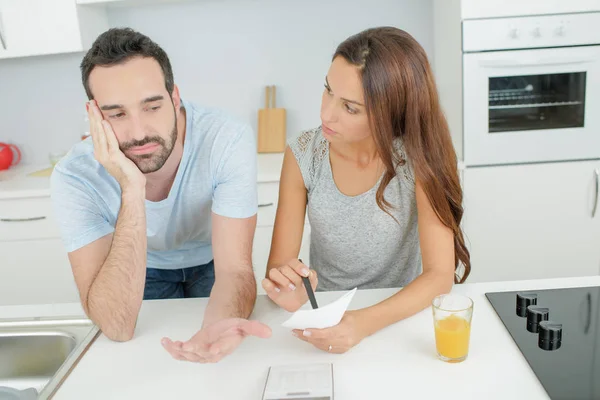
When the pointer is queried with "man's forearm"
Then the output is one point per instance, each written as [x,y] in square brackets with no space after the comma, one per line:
[233,296]
[116,294]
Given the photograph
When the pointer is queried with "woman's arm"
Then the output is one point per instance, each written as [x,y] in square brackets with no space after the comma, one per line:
[283,281]
[437,250]
[291,211]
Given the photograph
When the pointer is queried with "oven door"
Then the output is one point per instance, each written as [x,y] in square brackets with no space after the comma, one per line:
[528,106]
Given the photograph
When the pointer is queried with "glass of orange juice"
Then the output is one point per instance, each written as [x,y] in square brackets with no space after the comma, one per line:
[452,323]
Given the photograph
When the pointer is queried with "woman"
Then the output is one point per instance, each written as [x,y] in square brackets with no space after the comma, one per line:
[380,184]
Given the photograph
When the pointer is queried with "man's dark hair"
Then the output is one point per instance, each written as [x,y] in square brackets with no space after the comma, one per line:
[119,45]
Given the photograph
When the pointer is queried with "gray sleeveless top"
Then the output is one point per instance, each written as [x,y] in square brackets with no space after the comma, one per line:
[353,242]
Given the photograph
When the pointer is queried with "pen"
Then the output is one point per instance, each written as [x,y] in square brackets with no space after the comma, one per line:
[309,291]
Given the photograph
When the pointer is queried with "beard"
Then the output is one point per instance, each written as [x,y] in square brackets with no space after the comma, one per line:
[148,163]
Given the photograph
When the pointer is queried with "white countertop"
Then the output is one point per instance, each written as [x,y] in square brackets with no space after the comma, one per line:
[397,362]
[15,182]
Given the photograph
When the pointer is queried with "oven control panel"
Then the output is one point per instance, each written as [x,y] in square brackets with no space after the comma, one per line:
[531,32]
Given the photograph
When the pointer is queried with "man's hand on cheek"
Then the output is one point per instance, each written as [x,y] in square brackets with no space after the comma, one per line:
[108,154]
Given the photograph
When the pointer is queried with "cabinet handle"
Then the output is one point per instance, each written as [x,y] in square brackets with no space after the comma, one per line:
[587,314]
[2,41]
[597,173]
[21,219]
[265,205]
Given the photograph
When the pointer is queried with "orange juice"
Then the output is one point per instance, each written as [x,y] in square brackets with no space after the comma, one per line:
[452,337]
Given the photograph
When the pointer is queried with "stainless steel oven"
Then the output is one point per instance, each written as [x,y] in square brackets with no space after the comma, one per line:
[531,89]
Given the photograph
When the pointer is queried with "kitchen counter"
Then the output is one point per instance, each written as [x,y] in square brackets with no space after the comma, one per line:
[397,362]
[15,182]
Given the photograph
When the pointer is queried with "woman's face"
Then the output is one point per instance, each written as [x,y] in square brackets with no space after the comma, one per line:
[343,112]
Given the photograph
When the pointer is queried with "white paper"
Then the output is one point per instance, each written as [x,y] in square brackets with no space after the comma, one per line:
[323,317]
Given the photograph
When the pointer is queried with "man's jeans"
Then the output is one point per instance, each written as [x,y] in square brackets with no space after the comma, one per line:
[179,283]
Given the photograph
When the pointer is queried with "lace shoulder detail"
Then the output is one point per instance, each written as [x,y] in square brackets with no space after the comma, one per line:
[310,148]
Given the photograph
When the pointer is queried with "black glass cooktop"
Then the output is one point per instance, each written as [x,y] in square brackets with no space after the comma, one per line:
[558,332]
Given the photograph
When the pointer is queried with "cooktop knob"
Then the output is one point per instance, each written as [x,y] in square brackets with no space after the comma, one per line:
[549,335]
[535,315]
[525,300]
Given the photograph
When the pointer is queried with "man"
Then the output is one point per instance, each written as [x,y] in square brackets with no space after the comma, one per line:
[161,191]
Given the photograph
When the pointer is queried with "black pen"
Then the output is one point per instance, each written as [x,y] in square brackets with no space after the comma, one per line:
[309,291]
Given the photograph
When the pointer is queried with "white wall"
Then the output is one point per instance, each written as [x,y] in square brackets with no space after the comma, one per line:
[41,104]
[223,54]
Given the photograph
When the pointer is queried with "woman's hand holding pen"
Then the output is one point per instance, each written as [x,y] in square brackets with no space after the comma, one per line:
[284,285]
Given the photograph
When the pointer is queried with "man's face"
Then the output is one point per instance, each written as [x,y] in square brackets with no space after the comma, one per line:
[133,99]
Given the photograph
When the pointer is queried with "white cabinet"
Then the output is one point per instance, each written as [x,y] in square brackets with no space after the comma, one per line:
[34,267]
[262,247]
[39,27]
[27,219]
[260,252]
[532,221]
[35,272]
[268,194]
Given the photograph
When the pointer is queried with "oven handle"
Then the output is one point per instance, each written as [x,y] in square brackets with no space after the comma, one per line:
[531,62]
[597,173]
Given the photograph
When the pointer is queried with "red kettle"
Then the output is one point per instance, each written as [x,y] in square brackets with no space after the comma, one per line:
[7,155]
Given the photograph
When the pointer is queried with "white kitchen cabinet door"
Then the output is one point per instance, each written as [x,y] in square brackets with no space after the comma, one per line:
[39,27]
[27,218]
[532,221]
[35,272]
[262,247]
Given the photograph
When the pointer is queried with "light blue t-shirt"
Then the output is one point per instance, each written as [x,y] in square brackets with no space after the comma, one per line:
[217,173]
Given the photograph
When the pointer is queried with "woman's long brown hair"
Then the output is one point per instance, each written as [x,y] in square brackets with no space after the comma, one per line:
[402,101]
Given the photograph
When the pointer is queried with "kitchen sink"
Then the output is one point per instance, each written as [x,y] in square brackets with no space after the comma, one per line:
[39,353]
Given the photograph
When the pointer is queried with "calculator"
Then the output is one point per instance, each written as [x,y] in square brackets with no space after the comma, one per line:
[299,382]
